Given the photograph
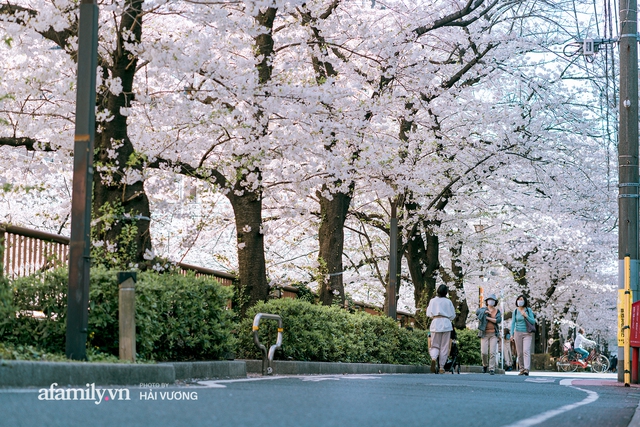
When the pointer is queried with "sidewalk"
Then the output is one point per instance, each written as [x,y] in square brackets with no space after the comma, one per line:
[587,379]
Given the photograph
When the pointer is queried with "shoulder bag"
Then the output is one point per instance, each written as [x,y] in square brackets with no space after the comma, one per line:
[531,327]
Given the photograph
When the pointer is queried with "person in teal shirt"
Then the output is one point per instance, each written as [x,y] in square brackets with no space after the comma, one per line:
[521,337]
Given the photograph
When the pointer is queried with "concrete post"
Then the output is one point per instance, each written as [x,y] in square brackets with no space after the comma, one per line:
[127,316]
[628,160]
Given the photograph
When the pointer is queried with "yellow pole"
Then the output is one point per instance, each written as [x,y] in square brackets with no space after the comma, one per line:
[627,320]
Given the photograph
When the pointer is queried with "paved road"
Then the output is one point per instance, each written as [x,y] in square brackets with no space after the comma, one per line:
[338,400]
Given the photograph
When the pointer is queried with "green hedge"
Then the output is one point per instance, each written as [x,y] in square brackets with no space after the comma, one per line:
[469,345]
[177,317]
[331,334]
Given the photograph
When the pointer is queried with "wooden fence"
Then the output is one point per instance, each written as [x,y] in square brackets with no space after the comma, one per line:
[24,252]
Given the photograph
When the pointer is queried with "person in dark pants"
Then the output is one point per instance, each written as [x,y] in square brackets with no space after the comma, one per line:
[508,354]
[613,360]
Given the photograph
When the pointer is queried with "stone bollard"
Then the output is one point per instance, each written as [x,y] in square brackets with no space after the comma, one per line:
[127,316]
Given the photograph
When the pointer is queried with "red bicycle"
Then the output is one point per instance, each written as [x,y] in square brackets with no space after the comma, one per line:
[570,361]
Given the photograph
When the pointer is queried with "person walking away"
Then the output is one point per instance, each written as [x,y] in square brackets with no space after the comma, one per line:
[489,318]
[581,341]
[505,343]
[521,315]
[442,312]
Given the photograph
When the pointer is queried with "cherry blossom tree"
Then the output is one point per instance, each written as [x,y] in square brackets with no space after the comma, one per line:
[39,109]
[272,140]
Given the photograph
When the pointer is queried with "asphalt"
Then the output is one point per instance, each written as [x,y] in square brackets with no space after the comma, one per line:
[587,379]
[21,374]
[335,400]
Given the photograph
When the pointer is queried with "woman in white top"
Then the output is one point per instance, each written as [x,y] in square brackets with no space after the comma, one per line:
[442,312]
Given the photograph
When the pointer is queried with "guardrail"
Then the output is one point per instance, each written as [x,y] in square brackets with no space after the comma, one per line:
[267,357]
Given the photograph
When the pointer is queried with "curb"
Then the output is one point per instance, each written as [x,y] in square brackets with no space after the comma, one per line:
[285,367]
[43,374]
[16,373]
[205,370]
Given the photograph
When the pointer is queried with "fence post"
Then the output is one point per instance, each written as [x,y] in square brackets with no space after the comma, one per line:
[127,315]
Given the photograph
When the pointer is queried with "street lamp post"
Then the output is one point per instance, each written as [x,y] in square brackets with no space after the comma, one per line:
[393,264]
[80,242]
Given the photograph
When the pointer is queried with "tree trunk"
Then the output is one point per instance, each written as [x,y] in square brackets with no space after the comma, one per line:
[333,214]
[423,261]
[432,263]
[122,209]
[460,304]
[415,256]
[399,254]
[252,271]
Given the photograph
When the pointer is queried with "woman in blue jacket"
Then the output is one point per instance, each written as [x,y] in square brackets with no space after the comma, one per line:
[521,337]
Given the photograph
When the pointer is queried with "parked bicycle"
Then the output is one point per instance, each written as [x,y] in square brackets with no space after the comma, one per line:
[570,362]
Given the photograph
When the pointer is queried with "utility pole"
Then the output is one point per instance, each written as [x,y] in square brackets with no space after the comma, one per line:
[80,242]
[391,304]
[628,157]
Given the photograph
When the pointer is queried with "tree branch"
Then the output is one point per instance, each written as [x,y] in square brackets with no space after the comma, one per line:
[29,143]
[21,15]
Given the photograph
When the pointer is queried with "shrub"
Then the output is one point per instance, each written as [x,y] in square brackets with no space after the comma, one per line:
[331,334]
[177,317]
[22,352]
[469,347]
[41,292]
[183,318]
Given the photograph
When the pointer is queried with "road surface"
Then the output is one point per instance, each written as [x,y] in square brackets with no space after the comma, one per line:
[478,400]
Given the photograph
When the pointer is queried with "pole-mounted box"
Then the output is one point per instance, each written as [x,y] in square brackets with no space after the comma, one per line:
[588,47]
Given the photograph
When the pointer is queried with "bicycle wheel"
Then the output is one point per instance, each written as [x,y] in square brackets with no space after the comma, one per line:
[564,364]
[600,364]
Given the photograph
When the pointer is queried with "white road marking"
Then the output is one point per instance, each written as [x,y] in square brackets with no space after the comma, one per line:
[336,377]
[540,380]
[220,383]
[592,396]
[19,390]
[313,378]
[318,379]
[211,384]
